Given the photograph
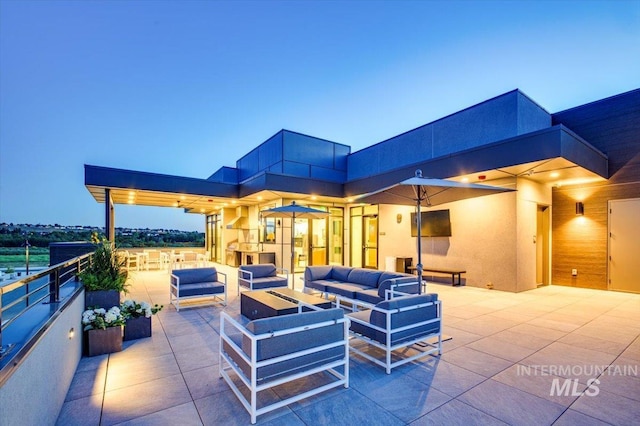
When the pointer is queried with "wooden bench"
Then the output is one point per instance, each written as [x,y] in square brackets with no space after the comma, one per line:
[455,273]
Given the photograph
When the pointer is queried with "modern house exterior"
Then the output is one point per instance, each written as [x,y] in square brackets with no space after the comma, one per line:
[572,219]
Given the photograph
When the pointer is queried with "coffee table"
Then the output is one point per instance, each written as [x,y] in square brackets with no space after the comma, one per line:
[278,301]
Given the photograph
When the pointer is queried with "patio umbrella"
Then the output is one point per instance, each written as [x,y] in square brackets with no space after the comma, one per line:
[427,192]
[294,212]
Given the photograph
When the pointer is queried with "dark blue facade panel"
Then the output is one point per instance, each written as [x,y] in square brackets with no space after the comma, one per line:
[225,175]
[270,152]
[396,152]
[488,122]
[248,165]
[296,169]
[306,149]
[276,168]
[531,116]
[363,163]
[341,156]
[328,174]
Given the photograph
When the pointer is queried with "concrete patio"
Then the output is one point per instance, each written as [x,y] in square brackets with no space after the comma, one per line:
[507,363]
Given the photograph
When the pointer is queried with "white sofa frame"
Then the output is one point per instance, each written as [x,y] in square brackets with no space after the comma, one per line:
[226,364]
[388,348]
[212,299]
[246,277]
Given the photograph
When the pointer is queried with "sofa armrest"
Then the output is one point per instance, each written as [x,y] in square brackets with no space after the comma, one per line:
[283,272]
[175,282]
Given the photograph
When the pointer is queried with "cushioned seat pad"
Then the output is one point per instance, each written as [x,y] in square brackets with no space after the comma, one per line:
[199,289]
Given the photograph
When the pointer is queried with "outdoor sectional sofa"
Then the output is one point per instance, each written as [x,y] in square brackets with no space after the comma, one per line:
[367,286]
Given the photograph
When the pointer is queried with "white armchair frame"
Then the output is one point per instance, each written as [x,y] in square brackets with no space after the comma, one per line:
[388,348]
[212,299]
[246,277]
[227,364]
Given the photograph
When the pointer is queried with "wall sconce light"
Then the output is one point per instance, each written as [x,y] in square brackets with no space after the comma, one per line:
[580,208]
[72,332]
[399,218]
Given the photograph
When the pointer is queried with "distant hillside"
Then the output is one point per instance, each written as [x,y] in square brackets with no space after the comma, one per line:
[15,235]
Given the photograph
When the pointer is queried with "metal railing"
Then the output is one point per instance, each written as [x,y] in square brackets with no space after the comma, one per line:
[18,298]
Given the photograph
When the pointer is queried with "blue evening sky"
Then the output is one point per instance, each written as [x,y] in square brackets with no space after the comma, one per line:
[185,87]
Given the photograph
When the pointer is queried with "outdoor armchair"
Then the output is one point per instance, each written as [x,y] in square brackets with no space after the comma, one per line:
[399,323]
[271,351]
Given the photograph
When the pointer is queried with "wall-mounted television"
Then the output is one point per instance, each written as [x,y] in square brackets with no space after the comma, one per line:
[435,223]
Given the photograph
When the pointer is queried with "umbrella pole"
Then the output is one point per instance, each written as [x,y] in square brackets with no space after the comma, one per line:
[419,224]
[293,271]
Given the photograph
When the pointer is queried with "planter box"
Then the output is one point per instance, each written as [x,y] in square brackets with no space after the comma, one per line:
[104,341]
[106,299]
[137,328]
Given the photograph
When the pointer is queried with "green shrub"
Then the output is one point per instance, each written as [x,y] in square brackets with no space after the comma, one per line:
[106,271]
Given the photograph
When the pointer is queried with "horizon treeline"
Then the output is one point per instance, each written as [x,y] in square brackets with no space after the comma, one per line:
[17,237]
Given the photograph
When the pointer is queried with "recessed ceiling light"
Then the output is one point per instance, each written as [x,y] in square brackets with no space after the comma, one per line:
[259,197]
[232,202]
[555,174]
[313,197]
[182,197]
[465,179]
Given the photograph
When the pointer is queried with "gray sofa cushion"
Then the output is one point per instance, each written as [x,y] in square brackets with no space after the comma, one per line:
[196,275]
[319,284]
[369,296]
[313,273]
[269,282]
[281,345]
[346,289]
[199,289]
[368,277]
[260,270]
[341,273]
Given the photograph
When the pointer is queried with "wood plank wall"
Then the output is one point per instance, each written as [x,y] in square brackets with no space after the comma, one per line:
[581,242]
[613,126]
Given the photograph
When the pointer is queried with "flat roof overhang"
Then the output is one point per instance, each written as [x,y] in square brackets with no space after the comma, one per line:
[538,155]
[153,189]
[285,186]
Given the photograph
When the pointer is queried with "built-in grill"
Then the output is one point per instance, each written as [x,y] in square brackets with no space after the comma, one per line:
[232,254]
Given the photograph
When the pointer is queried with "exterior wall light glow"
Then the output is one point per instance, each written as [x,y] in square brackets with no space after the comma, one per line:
[72,332]
[580,208]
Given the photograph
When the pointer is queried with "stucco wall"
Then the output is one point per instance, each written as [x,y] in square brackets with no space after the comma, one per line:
[530,196]
[44,377]
[483,241]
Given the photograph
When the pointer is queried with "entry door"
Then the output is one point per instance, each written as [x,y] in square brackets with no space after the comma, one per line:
[318,242]
[624,245]
[370,247]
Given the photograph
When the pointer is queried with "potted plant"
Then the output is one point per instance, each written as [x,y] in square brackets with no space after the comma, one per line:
[103,330]
[10,271]
[105,277]
[137,317]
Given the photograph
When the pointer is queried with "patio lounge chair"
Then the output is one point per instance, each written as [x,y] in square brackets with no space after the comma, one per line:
[198,283]
[399,323]
[271,351]
[261,276]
